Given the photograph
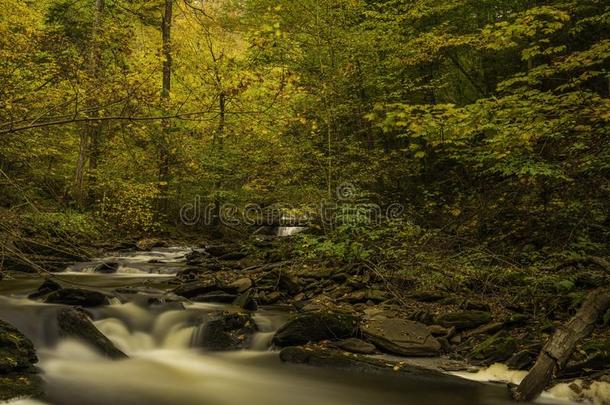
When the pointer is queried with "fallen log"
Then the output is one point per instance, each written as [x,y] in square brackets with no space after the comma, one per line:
[559,348]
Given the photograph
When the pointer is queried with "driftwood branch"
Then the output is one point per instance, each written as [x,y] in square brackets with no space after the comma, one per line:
[560,347]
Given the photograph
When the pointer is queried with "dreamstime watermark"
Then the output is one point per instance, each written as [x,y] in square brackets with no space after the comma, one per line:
[342,211]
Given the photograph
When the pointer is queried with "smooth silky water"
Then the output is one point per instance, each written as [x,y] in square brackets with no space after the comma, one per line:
[164,367]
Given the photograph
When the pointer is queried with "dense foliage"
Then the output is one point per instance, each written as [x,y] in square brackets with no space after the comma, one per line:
[488,120]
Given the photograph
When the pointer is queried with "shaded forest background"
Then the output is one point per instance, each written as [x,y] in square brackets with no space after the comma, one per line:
[487,120]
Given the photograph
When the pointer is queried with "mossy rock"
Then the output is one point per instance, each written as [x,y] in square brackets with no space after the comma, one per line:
[77,297]
[16,351]
[20,385]
[316,326]
[497,348]
[18,375]
[227,331]
[464,320]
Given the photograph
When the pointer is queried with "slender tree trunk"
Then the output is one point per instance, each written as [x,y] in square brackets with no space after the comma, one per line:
[219,142]
[164,154]
[81,162]
[90,135]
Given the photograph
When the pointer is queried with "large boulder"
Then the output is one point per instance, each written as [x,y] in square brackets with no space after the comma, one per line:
[18,375]
[400,336]
[77,297]
[74,323]
[226,331]
[464,320]
[316,326]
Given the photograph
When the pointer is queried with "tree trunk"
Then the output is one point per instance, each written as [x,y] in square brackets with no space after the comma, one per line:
[560,347]
[81,162]
[219,141]
[89,138]
[164,153]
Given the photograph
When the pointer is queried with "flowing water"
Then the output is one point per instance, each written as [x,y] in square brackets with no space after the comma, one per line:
[164,367]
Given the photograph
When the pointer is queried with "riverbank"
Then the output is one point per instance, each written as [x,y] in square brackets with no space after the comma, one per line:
[340,308]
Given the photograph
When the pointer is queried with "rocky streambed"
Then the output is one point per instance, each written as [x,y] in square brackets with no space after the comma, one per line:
[221,324]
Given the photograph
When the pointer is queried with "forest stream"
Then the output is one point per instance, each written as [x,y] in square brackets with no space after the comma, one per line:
[166,363]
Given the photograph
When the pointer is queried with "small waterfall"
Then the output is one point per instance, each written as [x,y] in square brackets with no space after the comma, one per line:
[284,231]
[158,262]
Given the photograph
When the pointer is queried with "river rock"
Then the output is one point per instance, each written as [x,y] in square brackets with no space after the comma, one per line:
[246,301]
[464,320]
[366,295]
[77,297]
[195,288]
[316,326]
[336,359]
[281,281]
[74,323]
[437,330]
[354,345]
[522,360]
[150,243]
[217,250]
[487,329]
[18,375]
[426,296]
[241,285]
[227,331]
[268,298]
[47,287]
[400,336]
[196,256]
[233,256]
[16,351]
[215,296]
[339,278]
[188,275]
[106,268]
[321,303]
[497,348]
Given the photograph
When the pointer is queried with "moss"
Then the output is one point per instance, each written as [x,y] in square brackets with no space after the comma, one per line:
[316,326]
[17,371]
[19,385]
[497,348]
